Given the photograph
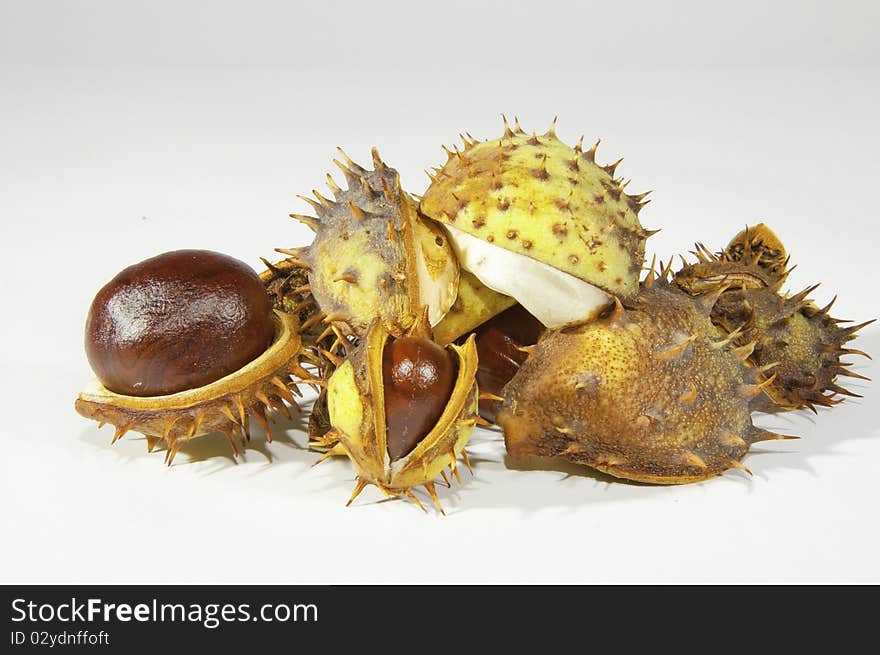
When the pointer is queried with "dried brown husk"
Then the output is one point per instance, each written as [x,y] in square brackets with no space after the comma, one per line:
[649,392]
[798,343]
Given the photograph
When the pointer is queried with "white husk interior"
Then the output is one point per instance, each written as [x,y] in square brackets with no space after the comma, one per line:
[553,297]
[437,294]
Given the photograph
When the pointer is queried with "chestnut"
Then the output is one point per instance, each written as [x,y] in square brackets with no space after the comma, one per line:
[418,376]
[402,409]
[177,321]
[499,341]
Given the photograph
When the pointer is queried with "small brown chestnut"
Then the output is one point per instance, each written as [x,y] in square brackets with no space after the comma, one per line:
[418,377]
[498,347]
[177,321]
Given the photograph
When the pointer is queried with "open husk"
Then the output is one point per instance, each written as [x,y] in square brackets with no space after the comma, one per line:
[356,407]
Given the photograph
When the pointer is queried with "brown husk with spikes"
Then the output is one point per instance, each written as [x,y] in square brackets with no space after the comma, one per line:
[754,259]
[263,386]
[648,392]
[799,343]
[373,254]
[760,246]
[287,284]
[324,345]
[803,341]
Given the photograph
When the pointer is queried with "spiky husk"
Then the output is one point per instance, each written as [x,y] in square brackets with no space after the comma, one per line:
[287,284]
[803,341]
[356,411]
[754,259]
[263,386]
[322,438]
[760,246]
[324,345]
[540,198]
[373,254]
[798,343]
[648,392]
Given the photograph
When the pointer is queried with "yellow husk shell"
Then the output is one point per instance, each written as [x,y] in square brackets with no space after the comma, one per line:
[355,400]
[538,197]
[369,243]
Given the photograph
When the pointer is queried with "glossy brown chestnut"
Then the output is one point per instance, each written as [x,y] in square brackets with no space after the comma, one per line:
[418,377]
[177,321]
[498,346]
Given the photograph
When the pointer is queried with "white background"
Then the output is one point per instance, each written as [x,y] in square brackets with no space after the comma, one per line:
[132,128]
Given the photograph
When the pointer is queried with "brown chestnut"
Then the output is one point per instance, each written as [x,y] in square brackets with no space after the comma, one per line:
[177,321]
[498,347]
[418,377]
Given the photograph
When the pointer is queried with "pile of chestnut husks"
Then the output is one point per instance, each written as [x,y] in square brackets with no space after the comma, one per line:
[510,294]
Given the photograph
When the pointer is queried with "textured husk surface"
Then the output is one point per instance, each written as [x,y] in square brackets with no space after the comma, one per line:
[647,393]
[538,197]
